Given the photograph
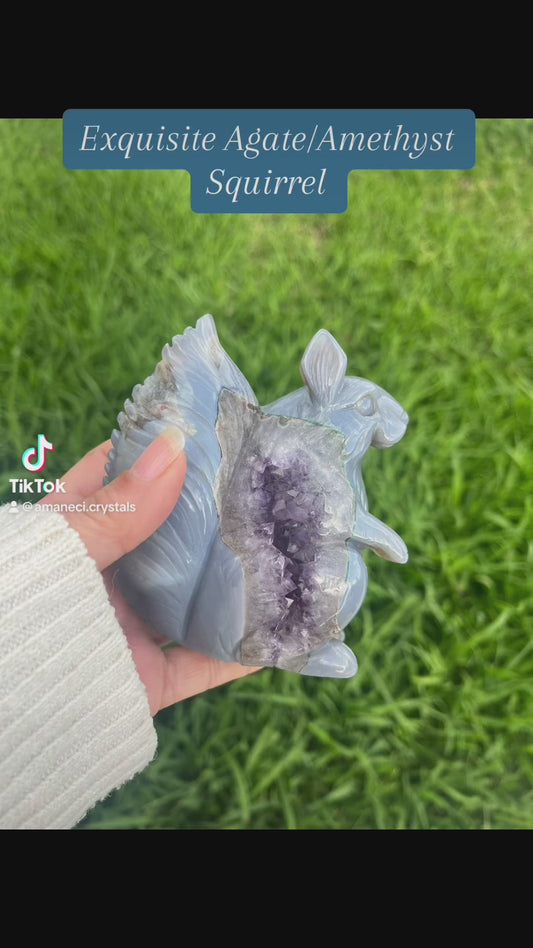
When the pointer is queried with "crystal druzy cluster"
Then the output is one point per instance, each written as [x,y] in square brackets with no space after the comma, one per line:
[288,532]
[261,560]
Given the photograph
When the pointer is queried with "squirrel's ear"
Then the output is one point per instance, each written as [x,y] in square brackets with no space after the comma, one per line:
[323,368]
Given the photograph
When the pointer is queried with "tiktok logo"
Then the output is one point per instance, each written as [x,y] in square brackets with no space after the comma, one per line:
[34,459]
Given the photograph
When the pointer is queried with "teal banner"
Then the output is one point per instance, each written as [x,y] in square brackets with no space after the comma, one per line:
[279,161]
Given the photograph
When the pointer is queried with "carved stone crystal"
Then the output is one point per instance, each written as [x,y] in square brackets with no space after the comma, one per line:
[260,561]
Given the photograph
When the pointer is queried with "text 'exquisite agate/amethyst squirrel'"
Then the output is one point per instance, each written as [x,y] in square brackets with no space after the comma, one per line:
[260,561]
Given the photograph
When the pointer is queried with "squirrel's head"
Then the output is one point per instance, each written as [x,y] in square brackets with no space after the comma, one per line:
[364,411]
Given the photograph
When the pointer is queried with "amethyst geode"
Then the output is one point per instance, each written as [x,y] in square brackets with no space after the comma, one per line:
[261,559]
[289,535]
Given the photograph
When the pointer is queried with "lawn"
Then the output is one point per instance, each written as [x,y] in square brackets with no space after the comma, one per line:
[426,281]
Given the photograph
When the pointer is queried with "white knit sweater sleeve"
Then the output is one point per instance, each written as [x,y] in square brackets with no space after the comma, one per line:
[74,716]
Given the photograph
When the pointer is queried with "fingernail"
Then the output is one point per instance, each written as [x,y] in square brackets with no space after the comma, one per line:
[159,455]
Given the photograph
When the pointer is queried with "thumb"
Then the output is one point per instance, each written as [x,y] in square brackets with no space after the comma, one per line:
[127,511]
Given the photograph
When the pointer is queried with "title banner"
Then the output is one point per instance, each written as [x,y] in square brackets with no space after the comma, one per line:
[279,161]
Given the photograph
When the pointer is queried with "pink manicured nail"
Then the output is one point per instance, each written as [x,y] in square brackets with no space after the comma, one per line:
[159,455]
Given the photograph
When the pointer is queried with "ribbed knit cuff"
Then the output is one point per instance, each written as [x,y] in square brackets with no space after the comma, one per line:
[74,715]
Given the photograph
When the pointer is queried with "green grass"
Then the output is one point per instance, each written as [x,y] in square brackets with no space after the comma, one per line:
[426,283]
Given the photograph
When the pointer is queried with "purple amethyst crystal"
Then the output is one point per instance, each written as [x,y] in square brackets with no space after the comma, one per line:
[288,532]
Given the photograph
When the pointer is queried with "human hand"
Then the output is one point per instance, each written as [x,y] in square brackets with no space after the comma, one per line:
[153,484]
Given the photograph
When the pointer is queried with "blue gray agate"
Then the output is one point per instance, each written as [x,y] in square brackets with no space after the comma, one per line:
[261,560]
